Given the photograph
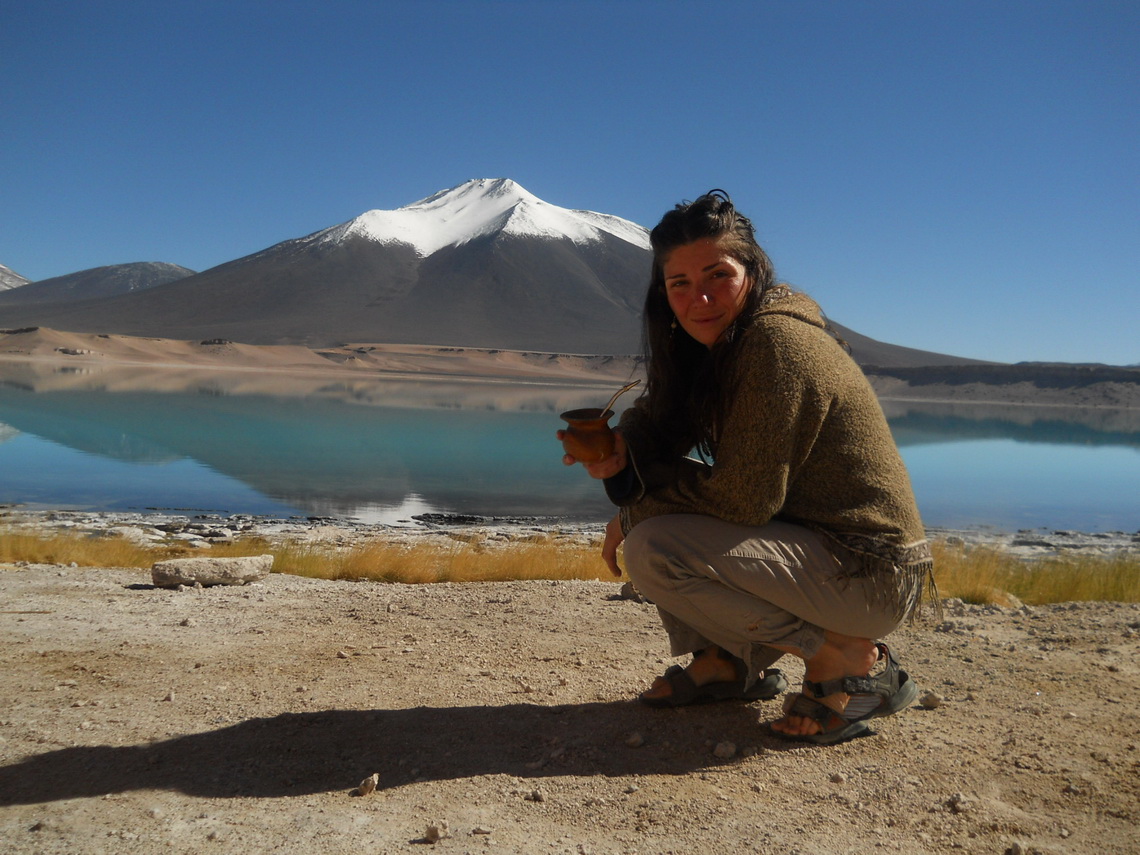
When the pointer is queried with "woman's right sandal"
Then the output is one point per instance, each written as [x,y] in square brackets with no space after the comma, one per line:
[893,689]
[684,692]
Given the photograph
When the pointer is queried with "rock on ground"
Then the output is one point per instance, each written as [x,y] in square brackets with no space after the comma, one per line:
[206,571]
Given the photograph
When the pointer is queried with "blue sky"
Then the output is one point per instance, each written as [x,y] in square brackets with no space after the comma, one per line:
[956,176]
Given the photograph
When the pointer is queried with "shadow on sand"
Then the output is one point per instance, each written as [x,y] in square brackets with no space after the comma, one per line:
[299,753]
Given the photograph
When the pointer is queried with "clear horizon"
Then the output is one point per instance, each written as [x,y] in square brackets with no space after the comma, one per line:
[959,177]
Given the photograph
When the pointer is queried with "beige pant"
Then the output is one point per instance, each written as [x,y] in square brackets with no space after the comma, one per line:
[745,587]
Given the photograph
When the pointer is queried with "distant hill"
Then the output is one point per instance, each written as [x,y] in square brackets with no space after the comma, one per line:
[98,282]
[870,352]
[484,265]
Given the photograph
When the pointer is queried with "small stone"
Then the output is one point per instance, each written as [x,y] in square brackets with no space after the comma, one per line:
[437,831]
[635,740]
[725,750]
[536,796]
[368,785]
[340,654]
[630,592]
[188,622]
[838,778]
[959,803]
[479,829]
[931,701]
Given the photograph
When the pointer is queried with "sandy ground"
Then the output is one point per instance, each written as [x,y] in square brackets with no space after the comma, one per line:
[59,360]
[44,359]
[240,719]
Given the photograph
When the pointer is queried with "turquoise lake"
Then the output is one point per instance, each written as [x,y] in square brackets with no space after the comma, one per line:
[389,451]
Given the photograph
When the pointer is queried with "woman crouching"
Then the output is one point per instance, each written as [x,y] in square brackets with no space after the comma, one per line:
[796,532]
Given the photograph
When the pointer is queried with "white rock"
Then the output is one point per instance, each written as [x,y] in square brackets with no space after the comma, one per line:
[210,571]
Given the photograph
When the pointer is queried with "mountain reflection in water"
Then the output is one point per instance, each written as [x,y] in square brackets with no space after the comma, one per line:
[383,449]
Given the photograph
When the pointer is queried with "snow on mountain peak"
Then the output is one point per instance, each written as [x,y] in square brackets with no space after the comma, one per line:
[482,207]
[10,278]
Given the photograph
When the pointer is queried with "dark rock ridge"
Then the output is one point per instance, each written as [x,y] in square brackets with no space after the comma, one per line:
[1044,375]
[98,282]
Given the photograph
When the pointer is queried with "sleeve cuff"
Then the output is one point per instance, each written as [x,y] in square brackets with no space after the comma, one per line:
[621,487]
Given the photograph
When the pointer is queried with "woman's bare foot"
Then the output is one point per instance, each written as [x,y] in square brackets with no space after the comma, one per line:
[840,656]
[706,667]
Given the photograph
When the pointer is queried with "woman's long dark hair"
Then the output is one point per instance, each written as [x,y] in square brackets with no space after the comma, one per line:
[687,382]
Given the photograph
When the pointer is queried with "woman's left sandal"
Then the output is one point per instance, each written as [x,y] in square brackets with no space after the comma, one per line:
[893,688]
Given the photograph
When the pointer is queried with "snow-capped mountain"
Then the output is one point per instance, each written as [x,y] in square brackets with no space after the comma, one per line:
[485,264]
[10,279]
[97,282]
[480,209]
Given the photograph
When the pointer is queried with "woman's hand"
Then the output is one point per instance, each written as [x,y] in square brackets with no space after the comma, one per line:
[614,537]
[603,469]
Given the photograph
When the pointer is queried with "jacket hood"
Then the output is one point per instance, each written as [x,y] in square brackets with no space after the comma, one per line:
[781,300]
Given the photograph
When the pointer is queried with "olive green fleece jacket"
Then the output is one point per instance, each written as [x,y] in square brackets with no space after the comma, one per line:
[804,441]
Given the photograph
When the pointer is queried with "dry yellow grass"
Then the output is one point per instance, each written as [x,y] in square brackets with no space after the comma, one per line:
[982,575]
[421,563]
[372,559]
[976,575]
[70,548]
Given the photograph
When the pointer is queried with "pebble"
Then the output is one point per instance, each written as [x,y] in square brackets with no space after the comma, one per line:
[635,740]
[960,803]
[931,701]
[437,831]
[368,785]
[838,778]
[725,750]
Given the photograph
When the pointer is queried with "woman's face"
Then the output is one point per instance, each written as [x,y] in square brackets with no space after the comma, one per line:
[706,288]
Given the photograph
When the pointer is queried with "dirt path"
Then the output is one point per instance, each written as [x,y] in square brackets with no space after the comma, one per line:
[240,719]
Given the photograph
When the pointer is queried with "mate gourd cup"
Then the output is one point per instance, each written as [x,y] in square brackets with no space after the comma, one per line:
[588,437]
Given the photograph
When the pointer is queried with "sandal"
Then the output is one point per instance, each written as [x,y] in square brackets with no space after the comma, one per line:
[893,688]
[686,692]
